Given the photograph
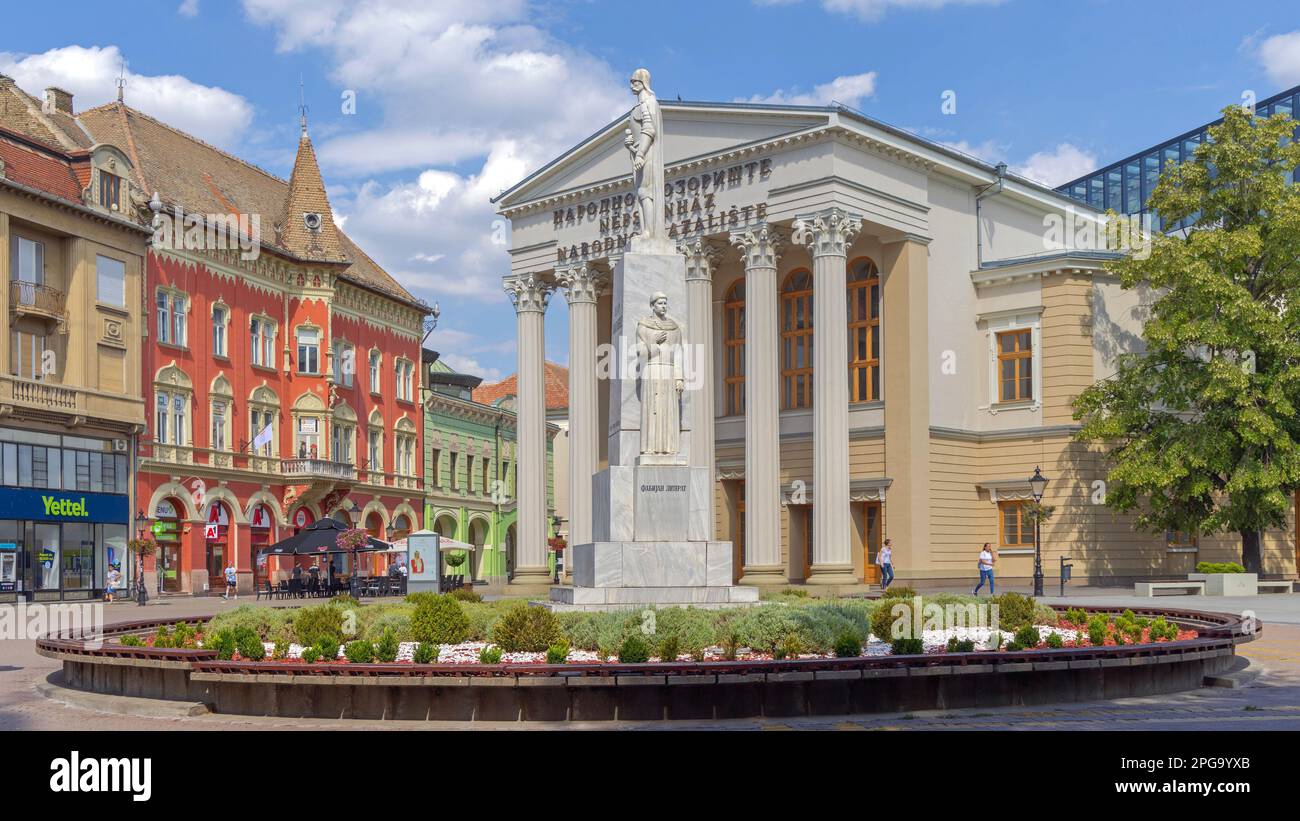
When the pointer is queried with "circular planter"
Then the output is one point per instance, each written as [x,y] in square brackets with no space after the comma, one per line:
[656,691]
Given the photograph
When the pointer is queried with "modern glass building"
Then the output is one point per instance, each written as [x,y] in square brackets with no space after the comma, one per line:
[1126,186]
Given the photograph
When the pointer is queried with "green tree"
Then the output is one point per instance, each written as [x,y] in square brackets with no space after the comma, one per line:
[1201,427]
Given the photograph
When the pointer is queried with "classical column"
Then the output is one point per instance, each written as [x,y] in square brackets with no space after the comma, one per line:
[701,257]
[760,249]
[530,296]
[582,285]
[906,375]
[829,233]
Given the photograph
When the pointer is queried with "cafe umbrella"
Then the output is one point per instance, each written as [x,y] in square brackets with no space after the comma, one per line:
[319,538]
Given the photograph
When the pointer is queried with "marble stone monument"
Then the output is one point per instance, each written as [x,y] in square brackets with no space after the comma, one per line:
[652,524]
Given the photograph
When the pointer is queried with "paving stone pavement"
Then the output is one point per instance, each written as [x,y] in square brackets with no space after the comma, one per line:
[1270,701]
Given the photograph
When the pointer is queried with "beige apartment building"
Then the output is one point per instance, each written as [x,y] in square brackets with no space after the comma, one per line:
[890,333]
[70,394]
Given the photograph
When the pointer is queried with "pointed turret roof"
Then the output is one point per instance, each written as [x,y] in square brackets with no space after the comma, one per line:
[307,224]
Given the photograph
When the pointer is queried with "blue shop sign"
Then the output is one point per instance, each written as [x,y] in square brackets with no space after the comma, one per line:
[63,506]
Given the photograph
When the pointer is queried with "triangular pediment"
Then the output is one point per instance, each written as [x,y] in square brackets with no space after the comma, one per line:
[691,131]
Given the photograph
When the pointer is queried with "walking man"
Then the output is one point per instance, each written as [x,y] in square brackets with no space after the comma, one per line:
[986,569]
[885,558]
[230,583]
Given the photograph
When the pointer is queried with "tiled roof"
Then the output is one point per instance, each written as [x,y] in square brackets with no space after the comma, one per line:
[557,388]
[203,179]
[46,171]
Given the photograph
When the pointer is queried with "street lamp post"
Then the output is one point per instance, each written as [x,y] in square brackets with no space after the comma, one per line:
[1038,483]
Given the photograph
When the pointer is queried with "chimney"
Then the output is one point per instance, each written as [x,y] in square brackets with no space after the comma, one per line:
[56,99]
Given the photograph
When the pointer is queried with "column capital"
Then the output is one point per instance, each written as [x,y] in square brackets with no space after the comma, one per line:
[582,282]
[760,247]
[701,258]
[828,232]
[528,292]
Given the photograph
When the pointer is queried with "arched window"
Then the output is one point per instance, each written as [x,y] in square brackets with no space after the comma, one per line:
[733,324]
[864,331]
[797,340]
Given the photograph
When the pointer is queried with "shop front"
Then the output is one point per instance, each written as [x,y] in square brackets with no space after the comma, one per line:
[58,544]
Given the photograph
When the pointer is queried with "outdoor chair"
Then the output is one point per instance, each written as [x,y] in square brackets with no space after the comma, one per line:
[266,589]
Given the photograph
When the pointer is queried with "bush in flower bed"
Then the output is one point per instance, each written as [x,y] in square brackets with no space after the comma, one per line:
[132,640]
[635,650]
[269,623]
[956,645]
[1219,567]
[250,646]
[670,647]
[848,645]
[398,622]
[907,647]
[900,592]
[439,619]
[490,655]
[466,594]
[789,647]
[1028,636]
[557,653]
[387,646]
[1163,630]
[223,642]
[311,624]
[359,652]
[311,655]
[327,648]
[1016,611]
[1054,640]
[281,650]
[425,653]
[525,628]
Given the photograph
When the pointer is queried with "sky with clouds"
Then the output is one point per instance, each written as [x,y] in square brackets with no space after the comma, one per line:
[455,101]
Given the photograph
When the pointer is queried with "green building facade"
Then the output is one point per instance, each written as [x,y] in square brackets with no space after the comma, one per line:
[469,468]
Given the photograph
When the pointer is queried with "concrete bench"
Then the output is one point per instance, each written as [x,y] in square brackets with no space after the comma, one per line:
[1279,586]
[1148,589]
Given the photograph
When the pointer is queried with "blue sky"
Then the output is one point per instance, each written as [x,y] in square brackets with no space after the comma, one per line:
[457,100]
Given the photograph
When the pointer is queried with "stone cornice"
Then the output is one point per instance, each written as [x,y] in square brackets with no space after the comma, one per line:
[529,292]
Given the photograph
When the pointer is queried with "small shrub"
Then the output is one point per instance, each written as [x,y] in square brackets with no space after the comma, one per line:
[525,628]
[1028,636]
[1015,611]
[423,595]
[311,655]
[359,652]
[670,647]
[162,638]
[848,645]
[788,647]
[223,642]
[132,640]
[1097,630]
[956,645]
[387,646]
[490,655]
[1055,641]
[425,653]
[466,594]
[1219,567]
[906,647]
[311,624]
[1014,645]
[731,646]
[884,616]
[439,619]
[281,649]
[345,601]
[250,647]
[902,592]
[635,650]
[182,635]
[558,653]
[1077,616]
[1163,630]
[328,648]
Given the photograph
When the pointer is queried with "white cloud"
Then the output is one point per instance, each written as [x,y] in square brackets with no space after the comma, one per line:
[1060,165]
[188,8]
[872,10]
[470,365]
[1280,55]
[210,113]
[990,151]
[850,90]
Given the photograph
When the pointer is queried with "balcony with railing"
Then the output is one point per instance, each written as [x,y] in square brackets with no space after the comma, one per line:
[319,469]
[39,393]
[36,299]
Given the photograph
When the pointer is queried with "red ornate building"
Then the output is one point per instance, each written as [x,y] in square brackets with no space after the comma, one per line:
[281,376]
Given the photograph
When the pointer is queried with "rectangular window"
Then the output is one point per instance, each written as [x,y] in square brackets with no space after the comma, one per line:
[344,364]
[164,318]
[308,351]
[178,320]
[27,263]
[27,355]
[1015,366]
[178,420]
[160,434]
[219,331]
[110,281]
[1016,529]
[219,426]
[455,471]
[374,371]
[375,443]
[1179,540]
[110,190]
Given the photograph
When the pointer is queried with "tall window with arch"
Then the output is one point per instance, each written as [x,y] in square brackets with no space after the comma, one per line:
[733,342]
[797,340]
[864,331]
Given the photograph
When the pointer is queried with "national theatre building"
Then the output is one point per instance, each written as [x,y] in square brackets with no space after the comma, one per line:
[885,340]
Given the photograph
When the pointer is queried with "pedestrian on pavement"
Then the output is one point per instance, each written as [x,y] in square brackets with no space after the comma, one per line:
[986,569]
[230,583]
[885,558]
[113,579]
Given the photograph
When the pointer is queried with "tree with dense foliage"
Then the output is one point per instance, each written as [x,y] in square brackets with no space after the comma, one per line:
[1202,428]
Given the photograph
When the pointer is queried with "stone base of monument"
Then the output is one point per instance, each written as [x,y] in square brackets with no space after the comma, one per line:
[609,575]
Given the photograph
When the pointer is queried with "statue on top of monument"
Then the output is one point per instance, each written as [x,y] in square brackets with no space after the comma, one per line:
[659,354]
[644,141]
